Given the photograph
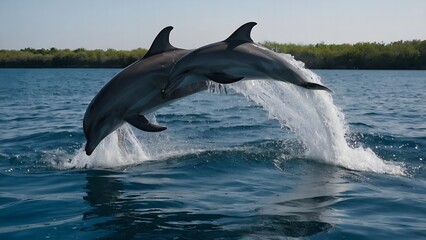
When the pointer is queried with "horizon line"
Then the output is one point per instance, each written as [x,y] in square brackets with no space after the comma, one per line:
[266,41]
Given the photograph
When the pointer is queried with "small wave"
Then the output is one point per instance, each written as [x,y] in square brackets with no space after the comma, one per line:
[23,227]
[360,124]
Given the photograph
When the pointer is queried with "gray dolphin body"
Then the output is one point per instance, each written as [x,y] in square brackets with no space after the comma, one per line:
[134,92]
[236,58]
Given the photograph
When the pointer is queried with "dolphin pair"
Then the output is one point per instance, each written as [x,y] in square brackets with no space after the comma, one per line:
[167,73]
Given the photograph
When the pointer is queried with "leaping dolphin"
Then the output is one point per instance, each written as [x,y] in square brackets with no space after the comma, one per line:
[136,91]
[236,58]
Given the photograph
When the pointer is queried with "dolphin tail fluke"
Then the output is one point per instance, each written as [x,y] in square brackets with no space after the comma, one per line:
[141,123]
[315,86]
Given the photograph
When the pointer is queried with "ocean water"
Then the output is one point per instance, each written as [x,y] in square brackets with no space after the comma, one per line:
[265,160]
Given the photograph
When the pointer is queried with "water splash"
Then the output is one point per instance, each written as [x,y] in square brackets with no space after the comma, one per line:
[120,148]
[315,120]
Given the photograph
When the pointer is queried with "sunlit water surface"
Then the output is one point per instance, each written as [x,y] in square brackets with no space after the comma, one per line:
[265,160]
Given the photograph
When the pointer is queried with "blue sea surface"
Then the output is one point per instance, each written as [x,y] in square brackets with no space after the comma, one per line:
[263,161]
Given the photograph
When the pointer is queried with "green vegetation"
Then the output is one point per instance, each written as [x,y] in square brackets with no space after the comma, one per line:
[55,58]
[396,55]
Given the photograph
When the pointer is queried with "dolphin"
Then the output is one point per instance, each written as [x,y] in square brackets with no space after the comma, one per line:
[136,91]
[234,59]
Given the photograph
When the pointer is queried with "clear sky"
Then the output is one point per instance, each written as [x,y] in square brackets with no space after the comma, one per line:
[129,24]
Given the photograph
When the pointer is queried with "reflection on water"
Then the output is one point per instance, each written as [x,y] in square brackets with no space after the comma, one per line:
[145,204]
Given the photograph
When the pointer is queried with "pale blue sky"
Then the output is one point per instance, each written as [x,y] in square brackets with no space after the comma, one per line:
[129,24]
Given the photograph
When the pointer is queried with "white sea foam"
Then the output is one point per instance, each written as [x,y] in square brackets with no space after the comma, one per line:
[315,120]
[120,148]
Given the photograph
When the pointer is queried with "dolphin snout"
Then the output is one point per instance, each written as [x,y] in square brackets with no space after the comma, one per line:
[89,148]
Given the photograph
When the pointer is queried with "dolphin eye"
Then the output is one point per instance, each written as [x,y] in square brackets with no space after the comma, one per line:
[101,122]
[103,119]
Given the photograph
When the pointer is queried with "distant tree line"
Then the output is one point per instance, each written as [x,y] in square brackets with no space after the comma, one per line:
[396,55]
[66,58]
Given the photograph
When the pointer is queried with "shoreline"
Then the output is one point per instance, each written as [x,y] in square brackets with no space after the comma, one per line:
[401,55]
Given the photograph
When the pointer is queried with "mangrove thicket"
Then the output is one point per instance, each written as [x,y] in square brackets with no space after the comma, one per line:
[395,55]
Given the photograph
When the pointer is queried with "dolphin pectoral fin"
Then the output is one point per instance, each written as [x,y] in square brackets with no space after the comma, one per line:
[141,123]
[315,86]
[223,78]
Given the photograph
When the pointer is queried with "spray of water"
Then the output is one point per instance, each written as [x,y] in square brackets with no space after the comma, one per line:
[120,148]
[123,148]
[315,120]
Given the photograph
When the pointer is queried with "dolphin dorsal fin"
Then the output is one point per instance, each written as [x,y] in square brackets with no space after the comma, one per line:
[161,43]
[242,33]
